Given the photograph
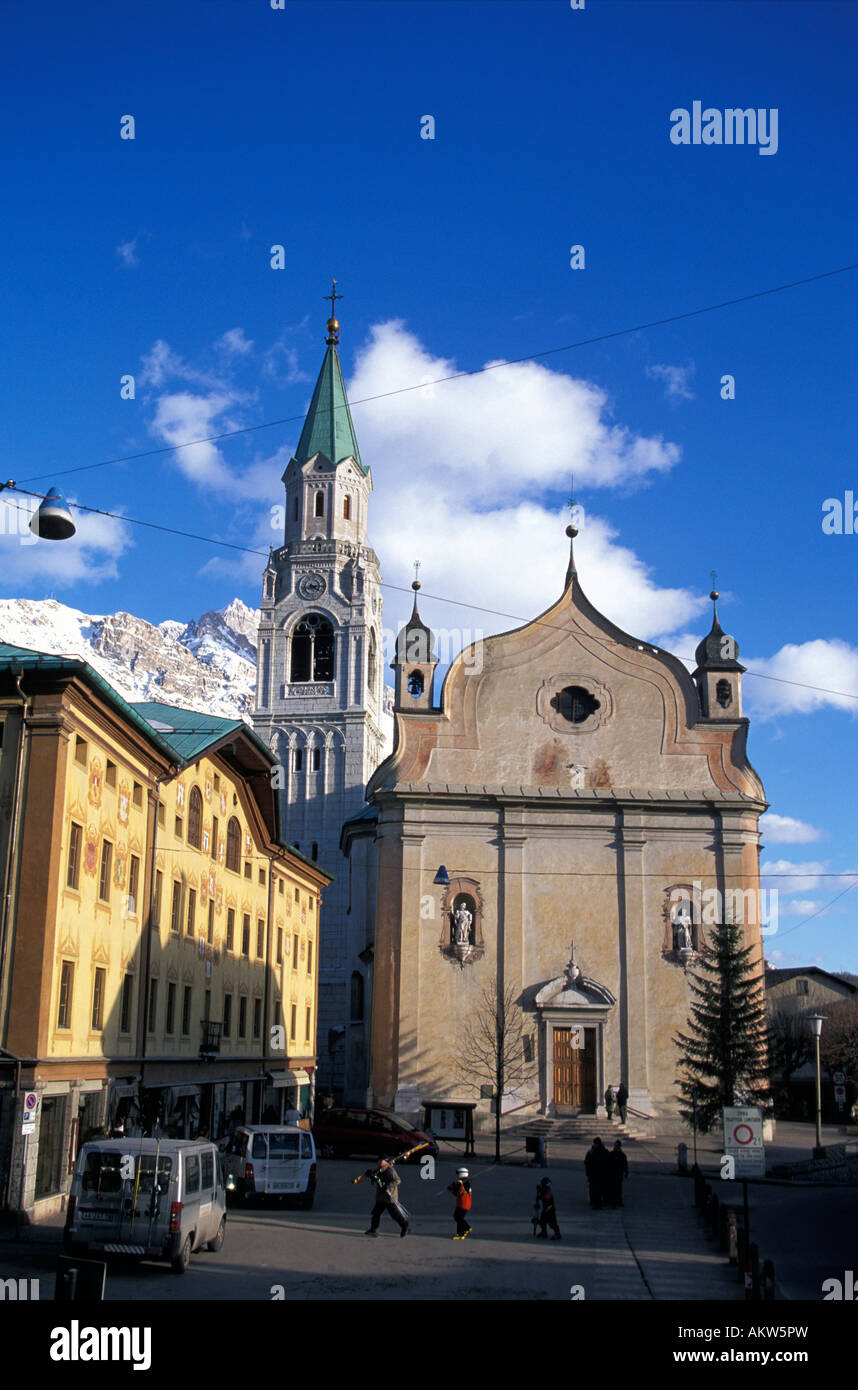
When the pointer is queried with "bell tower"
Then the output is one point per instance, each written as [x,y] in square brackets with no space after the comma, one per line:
[319,677]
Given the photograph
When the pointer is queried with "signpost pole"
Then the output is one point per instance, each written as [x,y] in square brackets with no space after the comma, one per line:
[747,1215]
[20,1213]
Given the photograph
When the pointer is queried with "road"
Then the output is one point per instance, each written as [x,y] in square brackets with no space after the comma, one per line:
[652,1248]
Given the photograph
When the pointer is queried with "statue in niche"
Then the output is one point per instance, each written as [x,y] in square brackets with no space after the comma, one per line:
[682,921]
[462,922]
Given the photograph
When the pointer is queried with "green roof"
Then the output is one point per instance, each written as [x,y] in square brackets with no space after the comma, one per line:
[12,656]
[328,428]
[187,732]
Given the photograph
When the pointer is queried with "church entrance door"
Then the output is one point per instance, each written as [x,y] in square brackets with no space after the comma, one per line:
[575,1068]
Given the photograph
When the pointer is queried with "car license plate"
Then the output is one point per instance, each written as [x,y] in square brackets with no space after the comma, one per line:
[98,1215]
[282,1186]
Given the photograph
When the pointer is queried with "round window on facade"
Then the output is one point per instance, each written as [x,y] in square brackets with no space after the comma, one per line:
[575,703]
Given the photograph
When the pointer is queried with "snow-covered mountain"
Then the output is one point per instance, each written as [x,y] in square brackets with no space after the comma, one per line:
[207,664]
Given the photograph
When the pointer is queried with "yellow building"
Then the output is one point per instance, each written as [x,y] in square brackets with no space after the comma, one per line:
[158,940]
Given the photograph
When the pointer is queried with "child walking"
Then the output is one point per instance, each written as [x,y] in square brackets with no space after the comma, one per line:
[547,1215]
[461,1190]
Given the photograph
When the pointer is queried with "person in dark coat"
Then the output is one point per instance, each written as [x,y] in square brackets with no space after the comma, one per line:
[622,1101]
[609,1102]
[545,1211]
[386,1181]
[618,1169]
[596,1166]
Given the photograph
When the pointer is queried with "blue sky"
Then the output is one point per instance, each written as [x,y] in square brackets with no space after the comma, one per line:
[301,127]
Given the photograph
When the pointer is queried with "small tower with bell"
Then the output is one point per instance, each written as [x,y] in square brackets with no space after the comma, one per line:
[414,663]
[719,673]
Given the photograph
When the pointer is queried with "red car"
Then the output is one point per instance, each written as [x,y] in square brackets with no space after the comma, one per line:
[350,1130]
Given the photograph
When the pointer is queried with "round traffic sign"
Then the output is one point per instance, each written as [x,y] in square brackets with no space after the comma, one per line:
[743,1134]
[31,1100]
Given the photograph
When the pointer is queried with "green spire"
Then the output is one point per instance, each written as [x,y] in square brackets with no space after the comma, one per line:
[328,428]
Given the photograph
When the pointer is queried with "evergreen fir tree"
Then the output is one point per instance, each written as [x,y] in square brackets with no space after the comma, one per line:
[724,1049]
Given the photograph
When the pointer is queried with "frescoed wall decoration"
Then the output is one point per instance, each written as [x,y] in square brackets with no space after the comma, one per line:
[180,796]
[204,889]
[206,841]
[96,782]
[119,864]
[223,803]
[122,803]
[208,789]
[90,853]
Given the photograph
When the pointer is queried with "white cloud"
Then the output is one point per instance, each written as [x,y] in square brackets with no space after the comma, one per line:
[127,253]
[789,877]
[458,469]
[675,380]
[234,343]
[28,561]
[160,364]
[280,365]
[786,830]
[802,907]
[495,438]
[181,417]
[825,671]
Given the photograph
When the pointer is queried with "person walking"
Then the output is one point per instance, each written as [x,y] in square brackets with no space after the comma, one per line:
[609,1102]
[618,1169]
[386,1181]
[461,1190]
[622,1101]
[545,1211]
[596,1167]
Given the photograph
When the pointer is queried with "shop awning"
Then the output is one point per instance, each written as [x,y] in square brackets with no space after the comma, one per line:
[280,1079]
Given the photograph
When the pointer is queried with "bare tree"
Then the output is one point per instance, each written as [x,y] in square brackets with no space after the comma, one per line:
[839,1040]
[492,1051]
[790,1043]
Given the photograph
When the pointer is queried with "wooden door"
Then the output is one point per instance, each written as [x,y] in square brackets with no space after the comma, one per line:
[584,1069]
[563,1066]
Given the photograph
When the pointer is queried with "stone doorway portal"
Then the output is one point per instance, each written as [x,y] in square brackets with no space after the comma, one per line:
[574,1069]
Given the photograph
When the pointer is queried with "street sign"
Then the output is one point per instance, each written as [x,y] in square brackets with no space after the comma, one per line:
[743,1140]
[840,1094]
[839,1078]
[32,1106]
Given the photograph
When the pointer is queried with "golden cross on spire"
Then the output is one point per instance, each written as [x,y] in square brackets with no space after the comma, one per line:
[333,326]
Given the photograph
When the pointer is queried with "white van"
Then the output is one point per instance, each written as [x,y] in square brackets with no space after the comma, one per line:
[158,1197]
[272,1161]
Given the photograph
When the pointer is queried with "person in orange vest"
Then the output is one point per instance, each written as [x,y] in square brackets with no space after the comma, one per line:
[461,1190]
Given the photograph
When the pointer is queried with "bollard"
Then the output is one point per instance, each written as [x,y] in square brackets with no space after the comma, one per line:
[754,1250]
[713,1214]
[732,1237]
[723,1227]
[682,1159]
[767,1281]
[698,1186]
[740,1254]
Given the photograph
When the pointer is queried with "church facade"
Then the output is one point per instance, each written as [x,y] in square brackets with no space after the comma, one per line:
[553,831]
[320,683]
